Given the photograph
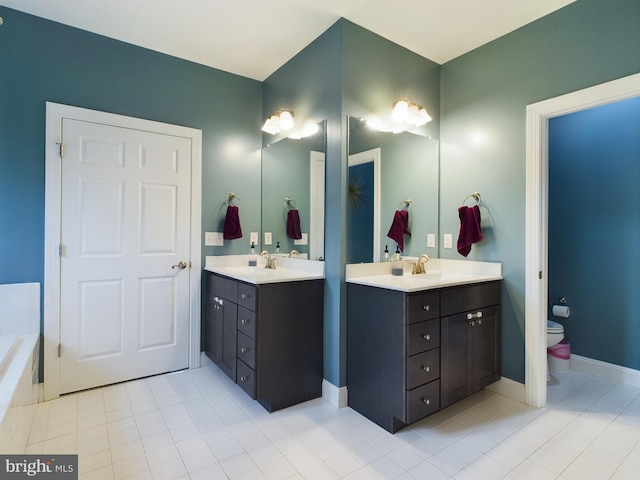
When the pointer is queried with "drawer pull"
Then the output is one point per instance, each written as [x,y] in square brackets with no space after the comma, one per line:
[426,368]
[243,378]
[426,401]
[474,315]
[426,307]
[244,350]
[244,322]
[245,295]
[426,336]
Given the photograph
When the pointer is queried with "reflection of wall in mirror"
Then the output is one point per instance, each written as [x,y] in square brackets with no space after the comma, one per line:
[286,170]
[409,170]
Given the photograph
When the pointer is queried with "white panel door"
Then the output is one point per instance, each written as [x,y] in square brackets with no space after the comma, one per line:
[125,223]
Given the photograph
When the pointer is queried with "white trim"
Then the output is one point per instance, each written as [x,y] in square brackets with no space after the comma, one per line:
[51,334]
[316,204]
[336,396]
[538,115]
[508,388]
[374,155]
[610,371]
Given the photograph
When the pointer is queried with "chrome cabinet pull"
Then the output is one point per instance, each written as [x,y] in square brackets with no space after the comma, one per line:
[426,307]
[243,349]
[244,322]
[426,368]
[426,336]
[474,315]
[426,401]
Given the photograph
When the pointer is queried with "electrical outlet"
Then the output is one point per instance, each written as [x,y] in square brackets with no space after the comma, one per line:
[448,240]
[253,238]
[431,240]
[213,239]
[268,239]
[302,241]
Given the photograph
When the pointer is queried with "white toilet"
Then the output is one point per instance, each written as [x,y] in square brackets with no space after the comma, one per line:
[555,333]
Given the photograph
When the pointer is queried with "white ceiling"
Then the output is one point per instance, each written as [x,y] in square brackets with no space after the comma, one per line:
[253,38]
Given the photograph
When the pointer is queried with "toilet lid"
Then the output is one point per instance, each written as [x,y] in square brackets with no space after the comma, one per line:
[554,327]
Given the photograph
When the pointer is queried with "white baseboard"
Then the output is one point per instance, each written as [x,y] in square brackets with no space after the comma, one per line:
[610,371]
[336,396]
[508,388]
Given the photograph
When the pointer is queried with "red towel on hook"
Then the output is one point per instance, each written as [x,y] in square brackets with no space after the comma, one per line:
[293,224]
[469,228]
[399,228]
[232,229]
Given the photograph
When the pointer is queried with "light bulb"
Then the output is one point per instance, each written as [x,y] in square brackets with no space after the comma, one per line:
[413,114]
[271,125]
[400,111]
[286,120]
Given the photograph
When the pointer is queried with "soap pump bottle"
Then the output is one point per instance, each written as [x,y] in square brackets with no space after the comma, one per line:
[387,257]
[277,247]
[396,265]
[253,259]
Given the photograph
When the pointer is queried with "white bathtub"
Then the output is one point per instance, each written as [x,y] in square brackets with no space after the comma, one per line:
[19,358]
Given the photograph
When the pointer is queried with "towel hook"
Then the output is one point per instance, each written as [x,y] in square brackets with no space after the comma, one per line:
[406,202]
[475,195]
[288,203]
[231,196]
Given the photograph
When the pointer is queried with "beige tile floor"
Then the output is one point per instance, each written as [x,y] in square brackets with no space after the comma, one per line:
[199,425]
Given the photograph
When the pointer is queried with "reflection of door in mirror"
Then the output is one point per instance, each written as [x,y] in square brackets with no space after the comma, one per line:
[316,202]
[363,218]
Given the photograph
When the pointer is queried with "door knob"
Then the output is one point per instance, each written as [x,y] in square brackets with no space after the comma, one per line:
[181,265]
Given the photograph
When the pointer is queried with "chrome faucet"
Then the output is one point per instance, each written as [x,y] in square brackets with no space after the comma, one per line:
[271,262]
[418,267]
[293,252]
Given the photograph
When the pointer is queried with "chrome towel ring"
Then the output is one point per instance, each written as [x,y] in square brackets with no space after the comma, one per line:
[231,197]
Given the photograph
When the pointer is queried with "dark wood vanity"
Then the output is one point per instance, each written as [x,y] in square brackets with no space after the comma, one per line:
[409,354]
[267,338]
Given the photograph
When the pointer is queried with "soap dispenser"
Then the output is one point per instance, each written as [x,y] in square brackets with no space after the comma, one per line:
[253,258]
[386,257]
[396,263]
[277,247]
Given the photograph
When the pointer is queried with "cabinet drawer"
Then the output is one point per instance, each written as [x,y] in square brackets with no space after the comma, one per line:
[471,297]
[247,296]
[247,322]
[223,287]
[247,350]
[423,336]
[422,368]
[423,401]
[247,379]
[423,306]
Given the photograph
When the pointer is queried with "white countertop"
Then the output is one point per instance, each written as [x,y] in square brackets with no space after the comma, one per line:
[440,273]
[287,269]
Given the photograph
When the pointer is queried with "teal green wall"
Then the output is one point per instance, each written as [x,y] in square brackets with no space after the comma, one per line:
[45,61]
[347,71]
[484,95]
[594,229]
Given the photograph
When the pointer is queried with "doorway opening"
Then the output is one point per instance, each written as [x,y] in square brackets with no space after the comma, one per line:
[537,190]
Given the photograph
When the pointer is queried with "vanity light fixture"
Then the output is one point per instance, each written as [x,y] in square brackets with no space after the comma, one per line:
[281,120]
[405,114]
[407,111]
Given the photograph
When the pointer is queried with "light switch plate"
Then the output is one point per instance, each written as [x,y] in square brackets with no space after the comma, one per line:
[448,240]
[213,239]
[431,239]
[268,238]
[253,238]
[303,241]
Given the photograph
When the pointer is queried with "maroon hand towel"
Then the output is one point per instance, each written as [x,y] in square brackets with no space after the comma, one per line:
[232,229]
[469,228]
[293,224]
[399,228]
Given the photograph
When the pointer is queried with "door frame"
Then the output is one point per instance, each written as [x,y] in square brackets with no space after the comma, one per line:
[537,198]
[55,112]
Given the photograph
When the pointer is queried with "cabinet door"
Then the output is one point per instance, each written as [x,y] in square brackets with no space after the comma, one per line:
[456,361]
[213,329]
[228,317]
[486,343]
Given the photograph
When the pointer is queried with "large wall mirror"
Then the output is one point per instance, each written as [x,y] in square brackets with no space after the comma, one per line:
[389,172]
[293,178]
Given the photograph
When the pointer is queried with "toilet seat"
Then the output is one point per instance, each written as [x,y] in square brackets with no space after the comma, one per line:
[554,327]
